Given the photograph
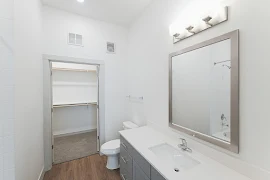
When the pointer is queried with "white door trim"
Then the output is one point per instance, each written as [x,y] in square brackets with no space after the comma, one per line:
[47,101]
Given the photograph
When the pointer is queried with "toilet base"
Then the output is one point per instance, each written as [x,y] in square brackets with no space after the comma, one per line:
[113,162]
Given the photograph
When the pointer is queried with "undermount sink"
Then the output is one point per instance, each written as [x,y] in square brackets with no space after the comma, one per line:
[173,157]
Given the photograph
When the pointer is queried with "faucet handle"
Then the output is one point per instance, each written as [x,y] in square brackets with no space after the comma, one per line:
[183,146]
[184,142]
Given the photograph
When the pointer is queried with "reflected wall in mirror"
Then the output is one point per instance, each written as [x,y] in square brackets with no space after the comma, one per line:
[204,91]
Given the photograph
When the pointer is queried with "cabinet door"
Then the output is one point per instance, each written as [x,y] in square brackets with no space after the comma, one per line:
[138,174]
[155,175]
[141,162]
[125,160]
[124,174]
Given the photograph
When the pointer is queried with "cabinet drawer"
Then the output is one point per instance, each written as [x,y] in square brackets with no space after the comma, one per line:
[125,175]
[125,160]
[141,162]
[126,145]
[155,175]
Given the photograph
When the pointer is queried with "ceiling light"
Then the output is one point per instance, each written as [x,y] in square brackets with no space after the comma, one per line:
[80,1]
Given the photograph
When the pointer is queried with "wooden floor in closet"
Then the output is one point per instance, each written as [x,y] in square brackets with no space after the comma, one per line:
[88,168]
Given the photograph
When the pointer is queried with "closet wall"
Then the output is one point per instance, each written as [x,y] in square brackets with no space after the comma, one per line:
[75,94]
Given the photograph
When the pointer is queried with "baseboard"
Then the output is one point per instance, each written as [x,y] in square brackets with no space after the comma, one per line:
[72,132]
[42,173]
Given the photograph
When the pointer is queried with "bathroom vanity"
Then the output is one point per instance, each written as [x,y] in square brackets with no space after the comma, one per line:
[134,166]
[147,154]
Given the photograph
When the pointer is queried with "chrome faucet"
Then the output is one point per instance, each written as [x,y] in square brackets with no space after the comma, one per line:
[224,122]
[183,146]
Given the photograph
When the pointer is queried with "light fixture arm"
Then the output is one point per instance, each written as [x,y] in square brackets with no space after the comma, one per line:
[207,20]
[176,36]
[189,29]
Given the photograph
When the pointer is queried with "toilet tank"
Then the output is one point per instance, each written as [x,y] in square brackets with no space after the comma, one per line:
[129,125]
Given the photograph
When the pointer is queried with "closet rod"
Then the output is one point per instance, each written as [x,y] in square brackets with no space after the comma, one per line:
[76,70]
[73,105]
[215,63]
[134,97]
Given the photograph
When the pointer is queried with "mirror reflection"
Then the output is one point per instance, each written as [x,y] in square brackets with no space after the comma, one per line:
[201,90]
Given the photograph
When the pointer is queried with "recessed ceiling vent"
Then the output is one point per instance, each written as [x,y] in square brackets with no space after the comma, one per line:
[75,39]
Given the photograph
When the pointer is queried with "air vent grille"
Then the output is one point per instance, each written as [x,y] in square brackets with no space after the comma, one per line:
[110,47]
[75,39]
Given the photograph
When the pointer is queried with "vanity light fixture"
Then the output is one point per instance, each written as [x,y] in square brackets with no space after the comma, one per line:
[176,35]
[207,19]
[198,22]
[80,1]
[189,29]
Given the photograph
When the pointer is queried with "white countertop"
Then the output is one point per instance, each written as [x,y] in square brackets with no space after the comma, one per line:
[145,137]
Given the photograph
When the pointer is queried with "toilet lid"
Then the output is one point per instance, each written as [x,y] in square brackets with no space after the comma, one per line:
[111,145]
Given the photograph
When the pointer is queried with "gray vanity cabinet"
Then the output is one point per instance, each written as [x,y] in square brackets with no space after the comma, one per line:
[138,173]
[155,175]
[133,166]
[141,163]
[126,160]
[125,175]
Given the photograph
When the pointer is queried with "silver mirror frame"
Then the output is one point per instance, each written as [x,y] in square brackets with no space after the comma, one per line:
[233,145]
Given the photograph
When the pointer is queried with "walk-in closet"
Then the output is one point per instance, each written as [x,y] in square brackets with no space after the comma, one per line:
[74,112]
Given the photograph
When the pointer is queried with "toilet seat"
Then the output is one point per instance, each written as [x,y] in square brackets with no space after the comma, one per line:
[111,147]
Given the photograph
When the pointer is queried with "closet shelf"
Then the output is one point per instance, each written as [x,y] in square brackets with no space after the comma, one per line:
[74,104]
[76,70]
[73,84]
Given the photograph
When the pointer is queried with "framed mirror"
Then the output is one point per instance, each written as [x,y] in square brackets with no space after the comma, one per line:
[204,92]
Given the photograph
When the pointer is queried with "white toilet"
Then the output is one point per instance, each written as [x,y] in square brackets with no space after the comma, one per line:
[112,148]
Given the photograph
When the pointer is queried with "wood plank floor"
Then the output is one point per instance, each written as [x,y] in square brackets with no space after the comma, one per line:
[88,168]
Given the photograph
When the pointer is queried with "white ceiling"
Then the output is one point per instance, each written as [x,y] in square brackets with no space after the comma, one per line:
[121,12]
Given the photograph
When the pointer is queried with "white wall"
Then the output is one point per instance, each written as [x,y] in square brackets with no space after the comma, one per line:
[149,47]
[28,125]
[56,26]
[68,120]
[7,165]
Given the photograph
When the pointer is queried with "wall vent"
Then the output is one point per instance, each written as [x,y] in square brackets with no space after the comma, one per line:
[110,47]
[75,39]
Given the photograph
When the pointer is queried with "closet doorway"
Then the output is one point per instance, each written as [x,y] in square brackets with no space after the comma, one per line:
[75,121]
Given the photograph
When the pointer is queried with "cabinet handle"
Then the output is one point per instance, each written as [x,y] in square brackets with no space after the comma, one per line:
[124,159]
[124,145]
[123,177]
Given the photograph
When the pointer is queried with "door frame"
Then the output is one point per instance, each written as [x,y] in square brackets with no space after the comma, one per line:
[48,105]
